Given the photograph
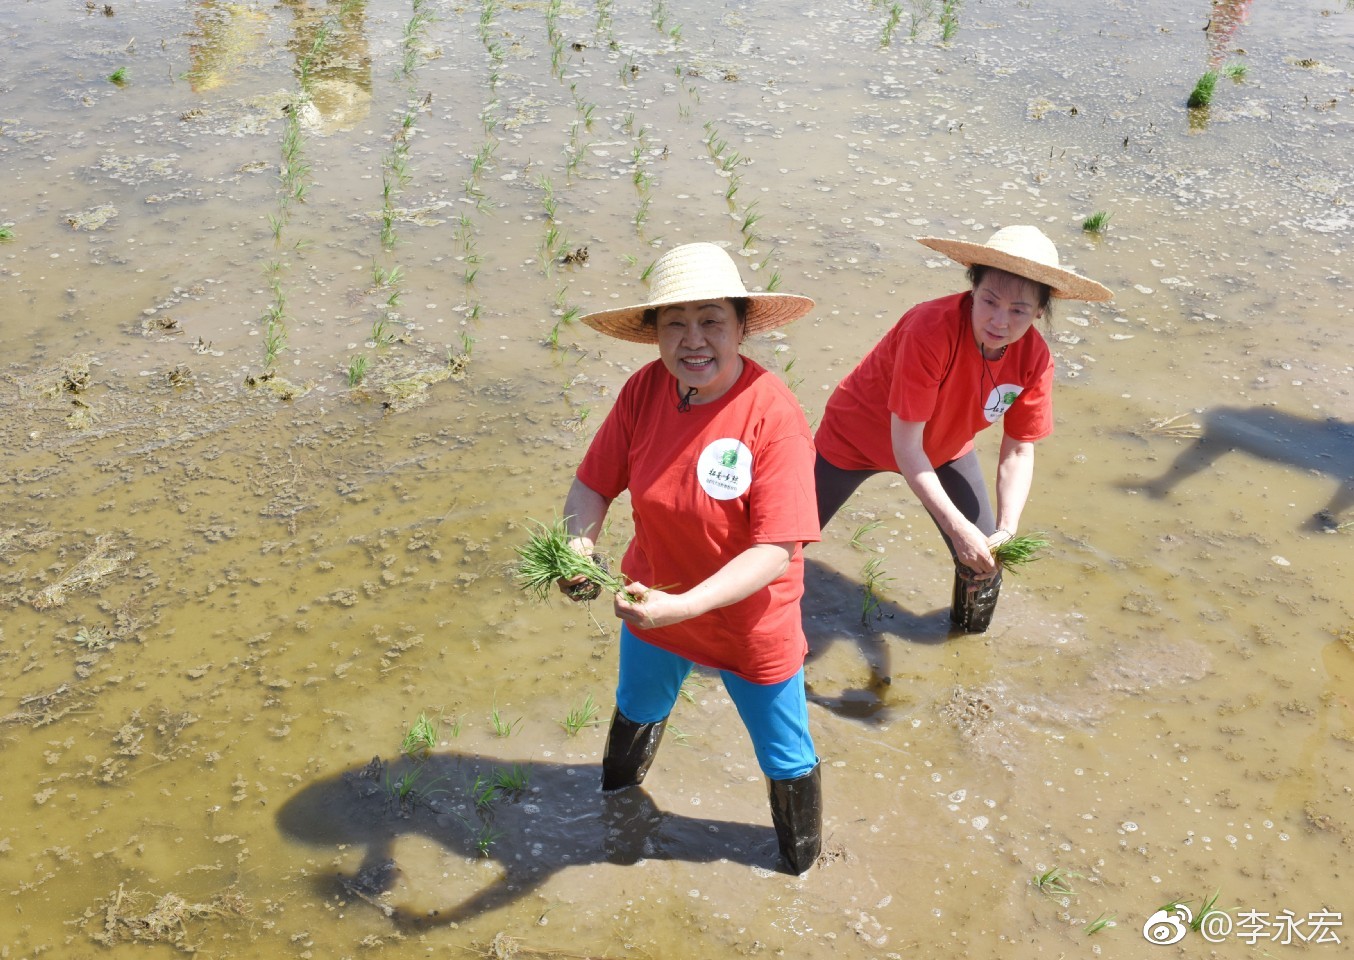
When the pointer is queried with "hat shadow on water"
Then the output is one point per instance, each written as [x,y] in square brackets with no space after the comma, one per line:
[560,819]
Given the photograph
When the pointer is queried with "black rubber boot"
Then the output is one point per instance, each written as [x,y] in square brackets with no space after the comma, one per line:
[974,600]
[797,814]
[630,748]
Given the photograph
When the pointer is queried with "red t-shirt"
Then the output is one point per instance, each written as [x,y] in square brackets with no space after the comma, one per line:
[706,485]
[928,369]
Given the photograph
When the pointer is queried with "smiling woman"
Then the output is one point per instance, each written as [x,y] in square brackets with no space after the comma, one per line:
[698,343]
[718,459]
[948,369]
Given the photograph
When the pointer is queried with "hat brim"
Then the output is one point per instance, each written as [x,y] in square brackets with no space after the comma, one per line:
[1065,284]
[766,311]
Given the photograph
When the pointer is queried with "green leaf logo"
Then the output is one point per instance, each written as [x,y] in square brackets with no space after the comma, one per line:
[729,458]
[1008,398]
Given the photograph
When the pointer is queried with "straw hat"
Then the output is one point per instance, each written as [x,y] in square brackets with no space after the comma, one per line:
[1025,252]
[697,271]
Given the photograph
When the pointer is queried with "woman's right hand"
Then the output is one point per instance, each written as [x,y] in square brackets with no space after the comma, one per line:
[583,547]
[971,547]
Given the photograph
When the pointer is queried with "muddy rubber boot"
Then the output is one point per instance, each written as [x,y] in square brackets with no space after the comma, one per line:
[974,600]
[797,814]
[630,748]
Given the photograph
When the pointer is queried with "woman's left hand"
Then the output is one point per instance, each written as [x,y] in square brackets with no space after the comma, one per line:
[642,606]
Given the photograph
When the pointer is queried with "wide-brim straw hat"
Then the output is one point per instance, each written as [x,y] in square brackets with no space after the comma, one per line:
[692,272]
[1026,252]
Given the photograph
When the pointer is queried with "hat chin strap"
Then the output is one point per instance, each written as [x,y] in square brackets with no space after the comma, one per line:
[684,400]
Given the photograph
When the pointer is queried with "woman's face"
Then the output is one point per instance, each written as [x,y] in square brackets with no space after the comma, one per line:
[698,343]
[1004,307]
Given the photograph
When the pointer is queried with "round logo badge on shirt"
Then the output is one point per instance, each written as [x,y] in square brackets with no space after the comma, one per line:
[724,469]
[1000,400]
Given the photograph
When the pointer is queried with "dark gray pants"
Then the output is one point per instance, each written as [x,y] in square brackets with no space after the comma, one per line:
[962,480]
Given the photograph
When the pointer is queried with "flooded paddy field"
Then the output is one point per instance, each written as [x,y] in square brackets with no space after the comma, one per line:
[288,302]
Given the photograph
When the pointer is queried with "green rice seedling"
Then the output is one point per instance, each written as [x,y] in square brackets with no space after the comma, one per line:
[1210,905]
[642,213]
[467,342]
[408,788]
[1020,549]
[486,838]
[470,275]
[895,16]
[1096,222]
[484,792]
[732,189]
[357,369]
[949,20]
[873,576]
[274,342]
[421,737]
[570,315]
[1202,94]
[474,314]
[773,284]
[1235,71]
[511,782]
[750,218]
[644,276]
[393,300]
[583,715]
[275,224]
[1100,923]
[501,726]
[861,531]
[546,558]
[118,77]
[1053,882]
[6,234]
[381,334]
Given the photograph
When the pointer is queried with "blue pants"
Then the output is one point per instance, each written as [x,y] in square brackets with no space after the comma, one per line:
[776,715]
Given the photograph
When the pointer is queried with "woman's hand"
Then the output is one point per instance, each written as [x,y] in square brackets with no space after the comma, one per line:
[740,578]
[974,550]
[642,606]
[583,546]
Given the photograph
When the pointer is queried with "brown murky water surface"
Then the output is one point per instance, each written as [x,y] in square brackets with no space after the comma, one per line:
[287,318]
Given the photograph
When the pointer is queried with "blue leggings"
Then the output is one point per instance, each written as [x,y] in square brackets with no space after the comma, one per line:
[776,715]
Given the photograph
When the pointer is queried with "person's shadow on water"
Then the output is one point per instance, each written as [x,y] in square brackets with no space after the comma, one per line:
[1324,446]
[834,612]
[532,818]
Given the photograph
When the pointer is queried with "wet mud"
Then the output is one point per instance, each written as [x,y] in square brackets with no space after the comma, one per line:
[291,363]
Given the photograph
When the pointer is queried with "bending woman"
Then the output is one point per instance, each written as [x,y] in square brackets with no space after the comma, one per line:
[718,459]
[948,369]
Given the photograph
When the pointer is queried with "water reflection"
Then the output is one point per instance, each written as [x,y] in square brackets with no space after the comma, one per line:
[1224,20]
[224,38]
[332,60]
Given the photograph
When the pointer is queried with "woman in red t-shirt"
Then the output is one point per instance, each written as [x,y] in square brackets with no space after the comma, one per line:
[718,459]
[948,369]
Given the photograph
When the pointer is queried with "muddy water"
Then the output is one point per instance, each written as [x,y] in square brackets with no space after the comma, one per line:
[232,577]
